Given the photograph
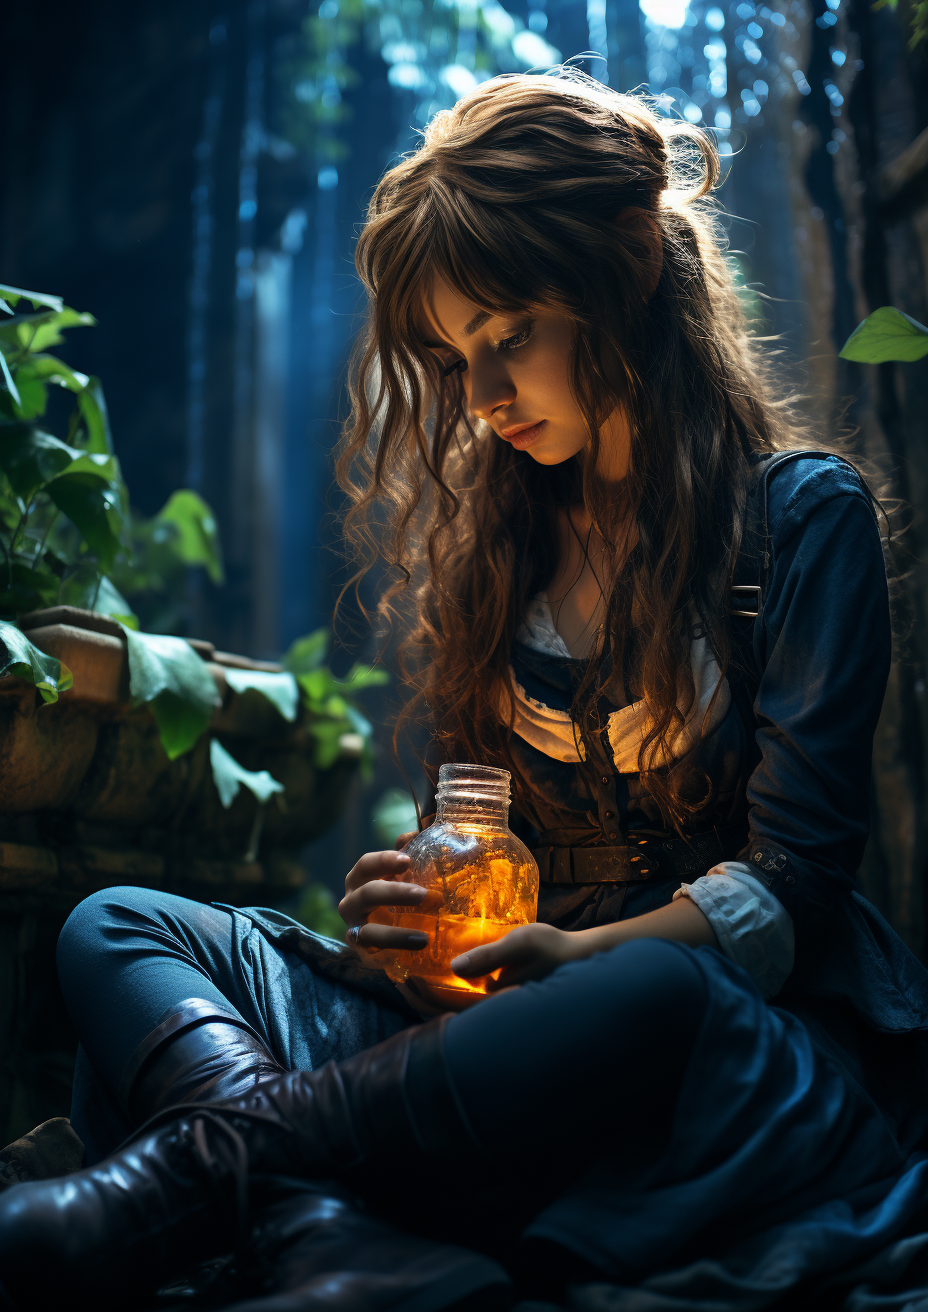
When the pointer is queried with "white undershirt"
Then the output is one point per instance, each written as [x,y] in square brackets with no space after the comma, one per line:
[753,928]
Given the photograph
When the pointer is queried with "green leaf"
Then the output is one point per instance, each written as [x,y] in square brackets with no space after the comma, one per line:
[307,653]
[359,723]
[197,537]
[30,458]
[48,333]
[168,674]
[19,658]
[33,392]
[56,371]
[91,590]
[318,687]
[328,734]
[281,689]
[8,378]
[180,724]
[93,507]
[228,776]
[394,813]
[11,330]
[104,467]
[886,334]
[96,416]
[364,676]
[37,298]
[26,588]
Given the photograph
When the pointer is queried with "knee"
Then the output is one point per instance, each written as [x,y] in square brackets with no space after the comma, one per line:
[655,979]
[90,925]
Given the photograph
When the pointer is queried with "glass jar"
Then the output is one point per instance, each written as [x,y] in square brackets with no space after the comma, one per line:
[482,880]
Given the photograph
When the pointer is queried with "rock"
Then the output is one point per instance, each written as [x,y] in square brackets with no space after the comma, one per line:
[51,1149]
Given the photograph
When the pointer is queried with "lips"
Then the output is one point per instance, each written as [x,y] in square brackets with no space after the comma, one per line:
[523,435]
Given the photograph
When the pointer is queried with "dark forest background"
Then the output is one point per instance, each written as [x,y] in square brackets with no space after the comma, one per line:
[193,174]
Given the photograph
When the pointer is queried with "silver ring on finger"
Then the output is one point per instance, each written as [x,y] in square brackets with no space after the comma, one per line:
[352,935]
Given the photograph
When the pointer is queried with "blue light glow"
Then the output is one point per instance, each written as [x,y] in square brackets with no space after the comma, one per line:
[665,13]
[409,76]
[534,51]
[458,79]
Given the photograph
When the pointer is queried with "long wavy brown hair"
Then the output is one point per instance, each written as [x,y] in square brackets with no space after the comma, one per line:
[512,199]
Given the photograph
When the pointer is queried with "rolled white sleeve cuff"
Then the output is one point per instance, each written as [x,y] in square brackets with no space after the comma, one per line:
[754,930]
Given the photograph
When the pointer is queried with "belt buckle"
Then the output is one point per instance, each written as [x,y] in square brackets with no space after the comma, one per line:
[745,588]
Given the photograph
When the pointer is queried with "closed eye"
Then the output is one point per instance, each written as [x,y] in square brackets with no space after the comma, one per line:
[511,343]
[517,339]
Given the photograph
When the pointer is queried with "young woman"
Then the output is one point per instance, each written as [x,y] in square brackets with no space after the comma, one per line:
[633,589]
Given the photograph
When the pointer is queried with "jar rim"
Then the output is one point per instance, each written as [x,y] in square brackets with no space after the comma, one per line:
[479,773]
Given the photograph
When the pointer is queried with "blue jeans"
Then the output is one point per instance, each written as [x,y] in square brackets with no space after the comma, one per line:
[675,1110]
[128,956]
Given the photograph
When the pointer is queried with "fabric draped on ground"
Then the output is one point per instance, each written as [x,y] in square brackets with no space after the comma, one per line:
[717,1225]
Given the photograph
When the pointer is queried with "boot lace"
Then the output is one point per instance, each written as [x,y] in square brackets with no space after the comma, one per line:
[222,1155]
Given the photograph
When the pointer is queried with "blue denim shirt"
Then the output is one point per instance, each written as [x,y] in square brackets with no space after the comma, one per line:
[792,777]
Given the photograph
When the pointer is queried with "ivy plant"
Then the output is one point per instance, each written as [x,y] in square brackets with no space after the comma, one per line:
[334,712]
[153,571]
[886,334]
[63,503]
[19,658]
[67,536]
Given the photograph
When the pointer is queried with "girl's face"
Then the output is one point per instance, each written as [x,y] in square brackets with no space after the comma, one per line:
[515,371]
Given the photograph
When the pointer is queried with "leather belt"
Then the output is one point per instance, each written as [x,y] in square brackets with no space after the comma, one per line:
[643,857]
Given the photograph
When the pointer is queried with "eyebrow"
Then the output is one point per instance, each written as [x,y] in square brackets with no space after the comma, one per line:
[478,321]
[470,328]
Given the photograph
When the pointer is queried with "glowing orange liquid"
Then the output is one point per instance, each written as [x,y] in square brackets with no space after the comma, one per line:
[474,897]
[449,937]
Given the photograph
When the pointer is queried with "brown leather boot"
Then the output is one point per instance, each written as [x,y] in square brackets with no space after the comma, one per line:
[317,1247]
[178,1192]
[197,1053]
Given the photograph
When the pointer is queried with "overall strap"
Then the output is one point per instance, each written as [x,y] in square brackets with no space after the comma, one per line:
[751,575]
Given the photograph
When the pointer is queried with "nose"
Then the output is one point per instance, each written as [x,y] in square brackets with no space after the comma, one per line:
[488,386]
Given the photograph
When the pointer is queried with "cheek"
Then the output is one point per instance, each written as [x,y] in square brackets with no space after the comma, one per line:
[548,382]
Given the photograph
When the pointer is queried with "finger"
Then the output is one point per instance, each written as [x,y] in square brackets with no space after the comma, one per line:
[403,839]
[388,936]
[376,865]
[355,907]
[511,976]
[506,951]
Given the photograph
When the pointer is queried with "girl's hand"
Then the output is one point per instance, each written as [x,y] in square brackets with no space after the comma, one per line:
[377,881]
[529,952]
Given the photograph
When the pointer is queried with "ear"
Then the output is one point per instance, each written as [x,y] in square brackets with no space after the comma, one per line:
[641,231]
